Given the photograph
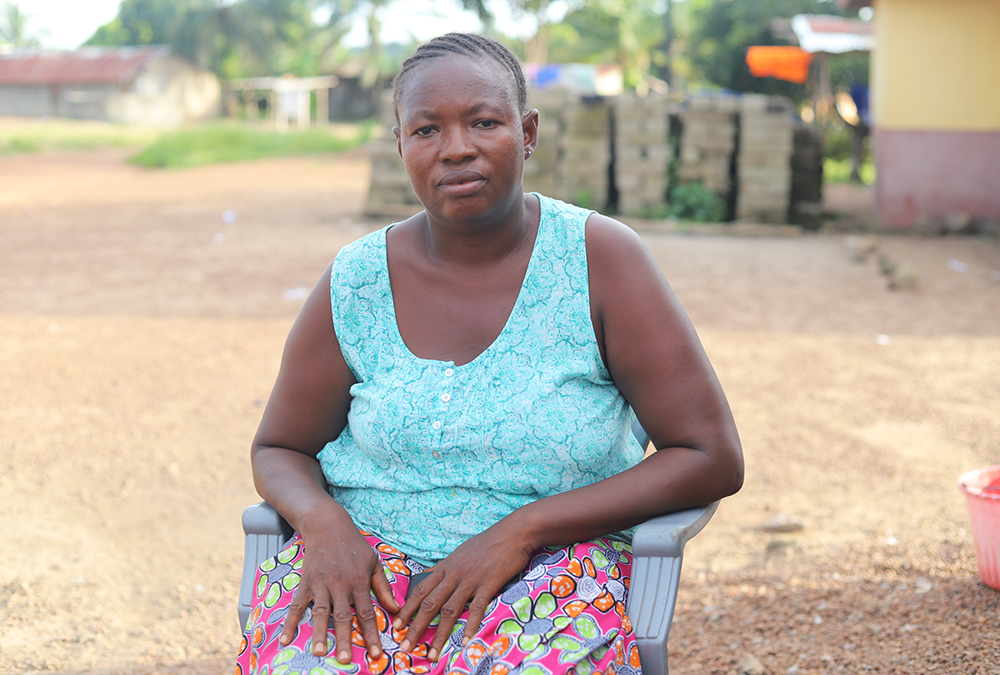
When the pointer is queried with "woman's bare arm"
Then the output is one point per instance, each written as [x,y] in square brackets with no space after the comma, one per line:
[658,363]
[308,408]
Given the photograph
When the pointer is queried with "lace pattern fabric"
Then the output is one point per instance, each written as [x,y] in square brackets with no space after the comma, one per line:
[435,453]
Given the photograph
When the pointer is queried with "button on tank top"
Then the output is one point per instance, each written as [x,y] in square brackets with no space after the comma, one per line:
[434,453]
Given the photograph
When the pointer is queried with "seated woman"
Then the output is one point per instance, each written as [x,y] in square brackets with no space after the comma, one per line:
[464,382]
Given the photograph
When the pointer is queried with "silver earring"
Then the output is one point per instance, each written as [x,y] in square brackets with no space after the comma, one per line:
[527,153]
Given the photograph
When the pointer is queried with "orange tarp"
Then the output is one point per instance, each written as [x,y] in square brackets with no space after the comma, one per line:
[784,63]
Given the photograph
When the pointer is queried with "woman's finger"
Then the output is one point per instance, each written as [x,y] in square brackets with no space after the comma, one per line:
[367,622]
[412,604]
[291,621]
[429,607]
[477,610]
[342,619]
[449,613]
[320,621]
[383,591]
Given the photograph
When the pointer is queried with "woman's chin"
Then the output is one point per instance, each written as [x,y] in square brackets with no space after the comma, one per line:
[467,207]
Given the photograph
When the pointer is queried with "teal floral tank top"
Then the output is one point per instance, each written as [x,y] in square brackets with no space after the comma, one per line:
[435,453]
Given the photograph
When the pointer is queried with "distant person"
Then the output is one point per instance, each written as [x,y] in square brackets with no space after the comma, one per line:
[859,130]
[464,382]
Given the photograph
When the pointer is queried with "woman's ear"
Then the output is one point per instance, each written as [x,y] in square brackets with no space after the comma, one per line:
[529,125]
[399,141]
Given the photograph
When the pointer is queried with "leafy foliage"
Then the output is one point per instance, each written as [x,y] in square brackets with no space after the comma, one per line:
[67,134]
[230,143]
[693,201]
[720,31]
[607,31]
[14,31]
[235,39]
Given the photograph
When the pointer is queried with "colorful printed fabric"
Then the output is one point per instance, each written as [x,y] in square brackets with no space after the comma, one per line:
[536,414]
[566,615]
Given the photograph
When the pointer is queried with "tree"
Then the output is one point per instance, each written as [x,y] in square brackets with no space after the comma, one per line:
[627,32]
[718,33]
[14,32]
[188,26]
[235,39]
[536,48]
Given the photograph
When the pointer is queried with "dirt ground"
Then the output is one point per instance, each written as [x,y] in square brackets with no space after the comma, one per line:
[142,315]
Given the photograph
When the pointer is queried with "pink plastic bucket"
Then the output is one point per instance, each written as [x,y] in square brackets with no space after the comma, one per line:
[984,512]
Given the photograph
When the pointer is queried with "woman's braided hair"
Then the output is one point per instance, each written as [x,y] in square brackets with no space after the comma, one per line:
[464,44]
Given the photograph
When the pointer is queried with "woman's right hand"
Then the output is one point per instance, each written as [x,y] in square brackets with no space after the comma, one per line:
[339,572]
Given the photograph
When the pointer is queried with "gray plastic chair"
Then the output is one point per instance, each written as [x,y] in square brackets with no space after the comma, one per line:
[658,548]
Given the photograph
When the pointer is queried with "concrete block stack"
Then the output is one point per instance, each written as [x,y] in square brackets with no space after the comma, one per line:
[542,168]
[764,166]
[642,153]
[719,139]
[585,154]
[389,193]
[708,142]
[807,177]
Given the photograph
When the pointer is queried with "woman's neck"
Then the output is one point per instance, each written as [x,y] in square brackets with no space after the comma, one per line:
[484,243]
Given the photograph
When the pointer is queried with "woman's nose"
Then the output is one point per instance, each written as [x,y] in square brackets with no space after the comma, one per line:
[457,146]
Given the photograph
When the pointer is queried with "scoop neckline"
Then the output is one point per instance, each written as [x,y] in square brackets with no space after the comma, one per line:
[397,336]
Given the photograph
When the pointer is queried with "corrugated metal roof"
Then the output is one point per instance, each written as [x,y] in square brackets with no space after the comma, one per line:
[833,34]
[824,23]
[89,65]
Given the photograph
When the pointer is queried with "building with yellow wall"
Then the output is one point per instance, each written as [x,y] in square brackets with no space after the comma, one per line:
[935,79]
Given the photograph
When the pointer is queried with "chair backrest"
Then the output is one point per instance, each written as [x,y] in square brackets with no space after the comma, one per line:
[640,434]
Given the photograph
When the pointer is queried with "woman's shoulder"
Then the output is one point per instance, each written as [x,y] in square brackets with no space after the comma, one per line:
[607,236]
[618,259]
[361,247]
[608,239]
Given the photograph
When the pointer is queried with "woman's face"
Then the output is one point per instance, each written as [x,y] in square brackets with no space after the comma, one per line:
[462,137]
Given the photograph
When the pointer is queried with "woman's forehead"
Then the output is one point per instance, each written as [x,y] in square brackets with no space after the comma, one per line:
[475,81]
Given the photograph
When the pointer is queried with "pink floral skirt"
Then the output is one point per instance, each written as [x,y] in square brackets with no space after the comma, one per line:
[566,615]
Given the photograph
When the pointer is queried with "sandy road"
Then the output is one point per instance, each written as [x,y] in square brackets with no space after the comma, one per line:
[140,333]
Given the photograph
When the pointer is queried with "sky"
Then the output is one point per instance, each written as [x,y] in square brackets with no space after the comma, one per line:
[66,24]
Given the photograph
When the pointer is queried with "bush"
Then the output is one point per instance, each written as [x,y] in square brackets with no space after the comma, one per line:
[233,143]
[60,134]
[693,201]
[839,171]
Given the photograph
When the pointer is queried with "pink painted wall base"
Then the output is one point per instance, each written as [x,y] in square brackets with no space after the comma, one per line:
[927,176]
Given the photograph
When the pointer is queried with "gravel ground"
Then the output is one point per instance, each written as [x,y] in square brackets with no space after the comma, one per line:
[142,315]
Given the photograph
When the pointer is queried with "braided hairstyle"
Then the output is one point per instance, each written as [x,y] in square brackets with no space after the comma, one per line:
[463,44]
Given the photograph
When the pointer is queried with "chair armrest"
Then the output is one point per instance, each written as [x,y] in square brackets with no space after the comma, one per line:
[266,534]
[658,548]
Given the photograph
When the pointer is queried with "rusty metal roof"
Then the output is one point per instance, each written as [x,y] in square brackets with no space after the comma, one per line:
[832,34]
[89,65]
[825,23]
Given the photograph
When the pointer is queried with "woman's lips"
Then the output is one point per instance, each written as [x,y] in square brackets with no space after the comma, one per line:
[461,183]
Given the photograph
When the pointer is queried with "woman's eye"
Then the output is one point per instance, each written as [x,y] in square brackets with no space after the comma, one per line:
[424,131]
[486,124]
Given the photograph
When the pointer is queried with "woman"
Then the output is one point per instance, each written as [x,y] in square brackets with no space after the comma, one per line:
[469,405]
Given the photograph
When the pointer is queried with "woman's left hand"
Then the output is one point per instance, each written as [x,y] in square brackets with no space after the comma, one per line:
[472,575]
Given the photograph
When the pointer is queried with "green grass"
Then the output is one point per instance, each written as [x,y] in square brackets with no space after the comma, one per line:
[839,171]
[234,143]
[20,135]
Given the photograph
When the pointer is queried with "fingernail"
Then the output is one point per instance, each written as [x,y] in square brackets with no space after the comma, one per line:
[283,640]
[319,649]
[344,657]
[405,645]
[397,624]
[432,656]
[374,652]
[466,641]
